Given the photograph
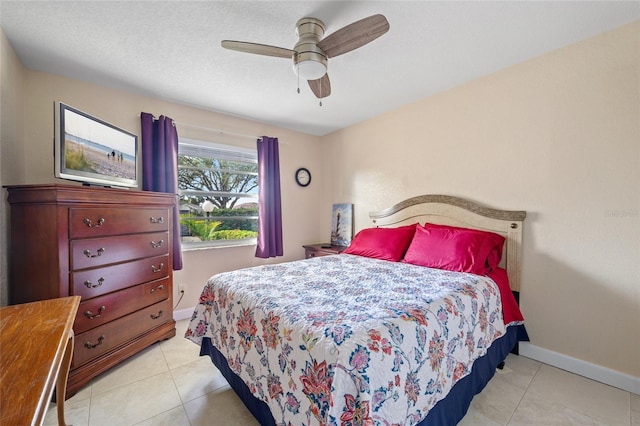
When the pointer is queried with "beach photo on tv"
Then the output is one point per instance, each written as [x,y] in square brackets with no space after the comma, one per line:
[93,147]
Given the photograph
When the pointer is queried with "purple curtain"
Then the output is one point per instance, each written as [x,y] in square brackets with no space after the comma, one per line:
[270,210]
[160,167]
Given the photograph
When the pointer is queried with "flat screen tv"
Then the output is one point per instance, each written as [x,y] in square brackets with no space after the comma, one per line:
[92,151]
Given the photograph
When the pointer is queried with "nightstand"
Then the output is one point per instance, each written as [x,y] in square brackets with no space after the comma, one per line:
[316,250]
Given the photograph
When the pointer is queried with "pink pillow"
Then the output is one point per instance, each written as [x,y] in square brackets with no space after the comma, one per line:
[382,243]
[494,243]
[455,249]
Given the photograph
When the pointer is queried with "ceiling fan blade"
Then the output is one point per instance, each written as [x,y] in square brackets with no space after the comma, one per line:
[354,35]
[321,87]
[257,48]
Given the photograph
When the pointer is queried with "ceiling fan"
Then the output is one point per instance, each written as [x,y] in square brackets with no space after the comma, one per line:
[311,53]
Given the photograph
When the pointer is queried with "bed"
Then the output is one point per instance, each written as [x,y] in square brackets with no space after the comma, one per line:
[404,327]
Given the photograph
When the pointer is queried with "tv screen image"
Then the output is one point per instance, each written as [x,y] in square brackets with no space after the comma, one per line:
[93,151]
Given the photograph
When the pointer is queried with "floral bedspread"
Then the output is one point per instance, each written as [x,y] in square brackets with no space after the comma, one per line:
[348,340]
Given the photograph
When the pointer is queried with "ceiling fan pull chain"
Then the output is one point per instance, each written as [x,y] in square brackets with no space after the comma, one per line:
[298,74]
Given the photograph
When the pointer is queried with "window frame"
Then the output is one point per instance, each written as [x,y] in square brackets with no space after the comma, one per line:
[236,153]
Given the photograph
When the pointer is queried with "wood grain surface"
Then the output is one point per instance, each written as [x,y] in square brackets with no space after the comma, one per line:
[33,340]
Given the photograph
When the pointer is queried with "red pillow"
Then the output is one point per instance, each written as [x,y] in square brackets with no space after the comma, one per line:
[382,243]
[455,249]
[494,243]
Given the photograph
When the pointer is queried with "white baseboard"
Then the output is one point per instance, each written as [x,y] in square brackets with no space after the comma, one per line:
[183,314]
[586,369]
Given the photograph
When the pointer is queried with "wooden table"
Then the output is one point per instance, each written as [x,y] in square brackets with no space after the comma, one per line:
[36,346]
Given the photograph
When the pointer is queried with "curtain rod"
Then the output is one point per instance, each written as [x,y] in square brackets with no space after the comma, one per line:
[211,129]
[220,131]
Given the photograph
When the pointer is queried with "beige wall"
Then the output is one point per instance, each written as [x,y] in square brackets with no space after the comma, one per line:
[11,146]
[34,163]
[557,136]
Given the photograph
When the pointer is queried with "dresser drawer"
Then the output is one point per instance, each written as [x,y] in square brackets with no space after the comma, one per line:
[105,221]
[100,310]
[96,282]
[100,340]
[93,252]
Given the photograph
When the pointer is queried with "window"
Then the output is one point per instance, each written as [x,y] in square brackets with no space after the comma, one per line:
[218,188]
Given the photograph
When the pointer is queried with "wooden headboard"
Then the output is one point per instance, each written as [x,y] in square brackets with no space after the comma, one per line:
[455,211]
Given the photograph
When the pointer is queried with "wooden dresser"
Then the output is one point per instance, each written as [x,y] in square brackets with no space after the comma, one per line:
[113,248]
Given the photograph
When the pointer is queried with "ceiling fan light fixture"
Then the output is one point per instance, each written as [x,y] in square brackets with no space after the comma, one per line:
[309,61]
[310,69]
[309,65]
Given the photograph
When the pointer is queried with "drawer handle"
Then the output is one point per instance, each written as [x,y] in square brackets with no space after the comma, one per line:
[156,220]
[158,269]
[158,244]
[157,316]
[160,287]
[99,253]
[91,315]
[90,224]
[89,284]
[88,345]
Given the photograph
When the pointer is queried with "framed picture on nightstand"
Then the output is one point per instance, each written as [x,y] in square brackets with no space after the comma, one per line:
[342,224]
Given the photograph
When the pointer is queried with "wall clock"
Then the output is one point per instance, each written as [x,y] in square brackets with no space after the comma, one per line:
[303,177]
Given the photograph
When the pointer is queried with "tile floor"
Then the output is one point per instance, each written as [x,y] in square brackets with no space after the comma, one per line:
[169,384]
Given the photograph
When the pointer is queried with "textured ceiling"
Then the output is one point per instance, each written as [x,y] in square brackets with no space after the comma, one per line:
[171,50]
